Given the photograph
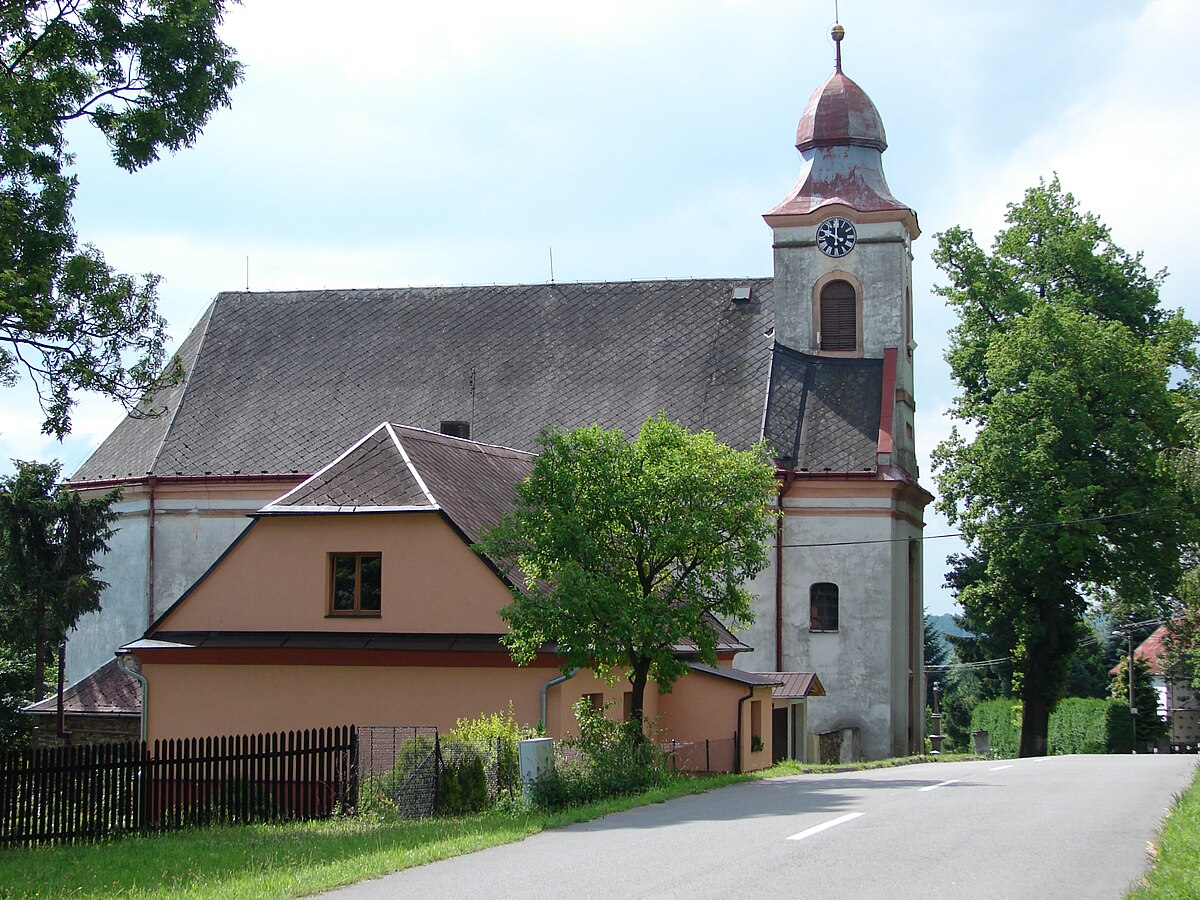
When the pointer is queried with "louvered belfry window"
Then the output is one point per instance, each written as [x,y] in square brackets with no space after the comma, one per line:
[839,316]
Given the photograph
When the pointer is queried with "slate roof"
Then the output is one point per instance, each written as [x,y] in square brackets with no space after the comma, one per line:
[823,412]
[106,692]
[274,381]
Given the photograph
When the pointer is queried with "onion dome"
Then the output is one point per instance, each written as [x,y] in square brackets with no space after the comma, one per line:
[841,141]
[838,114]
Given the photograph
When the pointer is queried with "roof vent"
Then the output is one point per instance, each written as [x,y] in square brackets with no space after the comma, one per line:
[456,429]
[741,294]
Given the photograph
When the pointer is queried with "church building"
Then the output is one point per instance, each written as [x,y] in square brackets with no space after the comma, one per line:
[817,360]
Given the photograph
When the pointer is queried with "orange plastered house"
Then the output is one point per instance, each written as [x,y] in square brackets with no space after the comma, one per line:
[356,598]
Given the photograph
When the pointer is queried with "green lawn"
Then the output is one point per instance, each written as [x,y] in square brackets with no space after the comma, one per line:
[1176,871]
[290,860]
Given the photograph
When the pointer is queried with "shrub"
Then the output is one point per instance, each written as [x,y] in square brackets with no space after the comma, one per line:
[1080,725]
[500,732]
[613,758]
[1001,718]
[462,783]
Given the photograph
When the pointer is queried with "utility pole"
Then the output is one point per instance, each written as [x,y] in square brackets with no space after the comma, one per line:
[1128,632]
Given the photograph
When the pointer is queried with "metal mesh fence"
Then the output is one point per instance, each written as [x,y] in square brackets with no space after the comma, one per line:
[403,768]
[397,767]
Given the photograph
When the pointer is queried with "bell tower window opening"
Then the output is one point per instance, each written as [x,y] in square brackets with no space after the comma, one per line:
[838,322]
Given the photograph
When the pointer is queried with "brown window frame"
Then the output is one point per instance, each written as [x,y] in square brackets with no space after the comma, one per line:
[823,610]
[357,611]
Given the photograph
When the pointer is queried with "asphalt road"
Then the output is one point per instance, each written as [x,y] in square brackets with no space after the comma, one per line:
[1062,827]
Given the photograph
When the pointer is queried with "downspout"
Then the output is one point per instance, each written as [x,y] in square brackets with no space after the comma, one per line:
[784,486]
[62,677]
[150,482]
[551,683]
[140,679]
[737,735]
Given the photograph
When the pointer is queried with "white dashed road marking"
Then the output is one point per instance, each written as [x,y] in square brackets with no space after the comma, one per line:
[1002,768]
[816,829]
[934,787]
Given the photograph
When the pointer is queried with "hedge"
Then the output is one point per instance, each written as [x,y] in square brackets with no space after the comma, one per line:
[1077,725]
[1080,725]
[1001,719]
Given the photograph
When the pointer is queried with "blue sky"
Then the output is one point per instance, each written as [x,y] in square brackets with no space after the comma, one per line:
[456,143]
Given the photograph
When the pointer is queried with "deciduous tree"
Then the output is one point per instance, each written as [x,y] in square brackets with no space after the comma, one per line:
[624,550]
[1063,357]
[147,74]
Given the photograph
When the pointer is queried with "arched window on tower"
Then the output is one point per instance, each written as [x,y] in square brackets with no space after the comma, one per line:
[839,316]
[823,607]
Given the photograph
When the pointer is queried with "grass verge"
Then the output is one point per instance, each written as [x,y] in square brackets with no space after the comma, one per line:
[294,859]
[1175,874]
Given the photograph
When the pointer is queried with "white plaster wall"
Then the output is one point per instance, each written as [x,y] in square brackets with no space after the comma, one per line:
[122,615]
[189,536]
[857,664]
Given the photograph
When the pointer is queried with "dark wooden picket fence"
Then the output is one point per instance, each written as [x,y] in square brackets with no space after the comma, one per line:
[69,794]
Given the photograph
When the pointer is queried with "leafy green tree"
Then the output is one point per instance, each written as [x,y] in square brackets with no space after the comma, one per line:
[1094,655]
[1150,725]
[1181,662]
[147,74]
[629,548]
[50,542]
[1063,358]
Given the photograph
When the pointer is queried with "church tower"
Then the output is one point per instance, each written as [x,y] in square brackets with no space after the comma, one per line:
[846,575]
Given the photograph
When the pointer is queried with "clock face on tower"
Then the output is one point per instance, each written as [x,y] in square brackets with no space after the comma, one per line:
[836,237]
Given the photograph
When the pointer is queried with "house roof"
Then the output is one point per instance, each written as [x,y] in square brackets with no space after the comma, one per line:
[750,679]
[274,381]
[1151,650]
[106,692]
[823,412]
[398,468]
[794,685]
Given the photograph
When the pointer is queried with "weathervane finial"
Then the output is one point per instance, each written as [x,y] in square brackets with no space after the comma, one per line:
[837,33]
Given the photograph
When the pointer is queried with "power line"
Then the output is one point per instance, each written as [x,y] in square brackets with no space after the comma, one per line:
[993,663]
[954,534]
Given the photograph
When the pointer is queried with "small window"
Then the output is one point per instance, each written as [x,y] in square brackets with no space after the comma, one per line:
[627,706]
[355,584]
[823,607]
[596,701]
[839,316]
[456,429]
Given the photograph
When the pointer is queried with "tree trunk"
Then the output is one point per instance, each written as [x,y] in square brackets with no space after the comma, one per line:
[638,676]
[1042,683]
[1035,721]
